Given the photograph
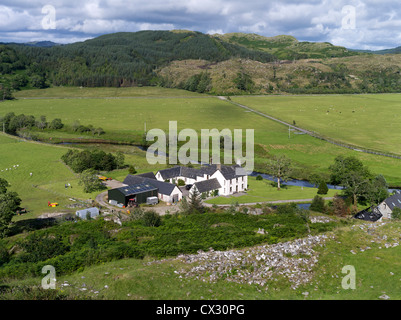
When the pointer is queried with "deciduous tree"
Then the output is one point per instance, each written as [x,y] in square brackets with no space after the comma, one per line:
[280,168]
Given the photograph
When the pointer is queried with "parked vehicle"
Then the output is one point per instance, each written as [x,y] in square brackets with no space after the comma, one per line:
[152,200]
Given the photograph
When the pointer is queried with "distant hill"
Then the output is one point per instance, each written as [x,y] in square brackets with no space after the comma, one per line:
[287,47]
[234,63]
[42,44]
[385,51]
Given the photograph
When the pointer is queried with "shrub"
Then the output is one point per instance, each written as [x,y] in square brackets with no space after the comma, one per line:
[318,204]
[132,169]
[259,177]
[151,219]
[396,214]
[56,124]
[323,189]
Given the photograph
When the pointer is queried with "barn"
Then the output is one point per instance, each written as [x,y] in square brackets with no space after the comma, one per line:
[167,192]
[133,194]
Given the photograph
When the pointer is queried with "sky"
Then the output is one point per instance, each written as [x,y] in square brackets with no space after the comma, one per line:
[355,24]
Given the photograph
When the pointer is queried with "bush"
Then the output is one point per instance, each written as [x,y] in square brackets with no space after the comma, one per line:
[396,214]
[318,204]
[151,219]
[323,189]
[181,183]
[259,177]
[132,169]
[56,124]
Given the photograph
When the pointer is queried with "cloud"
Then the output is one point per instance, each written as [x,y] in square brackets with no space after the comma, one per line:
[376,23]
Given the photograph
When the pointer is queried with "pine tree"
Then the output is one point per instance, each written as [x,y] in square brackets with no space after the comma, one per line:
[323,189]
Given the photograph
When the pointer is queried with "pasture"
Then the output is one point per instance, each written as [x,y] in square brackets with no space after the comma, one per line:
[369,121]
[124,119]
[264,191]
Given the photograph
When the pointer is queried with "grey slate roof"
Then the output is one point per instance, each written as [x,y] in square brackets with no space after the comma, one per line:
[394,201]
[170,173]
[207,185]
[228,172]
[149,175]
[131,179]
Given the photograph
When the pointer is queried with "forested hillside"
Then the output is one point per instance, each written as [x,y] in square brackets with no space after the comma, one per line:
[217,64]
[126,59]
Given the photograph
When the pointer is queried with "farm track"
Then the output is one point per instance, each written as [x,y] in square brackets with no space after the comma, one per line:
[312,133]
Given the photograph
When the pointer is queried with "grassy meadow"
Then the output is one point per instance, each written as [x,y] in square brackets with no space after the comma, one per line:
[49,174]
[124,118]
[264,191]
[368,121]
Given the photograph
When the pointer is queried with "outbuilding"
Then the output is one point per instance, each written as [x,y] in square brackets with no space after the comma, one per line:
[167,192]
[133,194]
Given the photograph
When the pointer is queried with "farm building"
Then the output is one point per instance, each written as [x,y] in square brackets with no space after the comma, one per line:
[132,194]
[206,187]
[232,179]
[167,192]
[83,214]
[383,210]
[387,206]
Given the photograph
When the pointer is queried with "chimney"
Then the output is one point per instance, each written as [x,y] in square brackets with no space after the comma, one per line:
[218,166]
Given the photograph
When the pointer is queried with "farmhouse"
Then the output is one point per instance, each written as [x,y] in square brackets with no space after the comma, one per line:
[387,206]
[166,192]
[232,179]
[383,210]
[132,194]
[207,187]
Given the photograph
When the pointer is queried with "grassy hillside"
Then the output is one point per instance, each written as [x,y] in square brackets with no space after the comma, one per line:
[287,47]
[356,74]
[370,248]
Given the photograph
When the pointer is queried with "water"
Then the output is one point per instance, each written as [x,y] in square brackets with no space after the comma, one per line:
[306,184]
[294,182]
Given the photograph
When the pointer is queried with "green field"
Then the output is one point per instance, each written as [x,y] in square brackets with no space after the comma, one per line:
[368,121]
[49,175]
[263,191]
[71,92]
[124,119]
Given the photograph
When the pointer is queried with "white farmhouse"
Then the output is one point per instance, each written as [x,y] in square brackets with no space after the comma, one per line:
[230,179]
[387,206]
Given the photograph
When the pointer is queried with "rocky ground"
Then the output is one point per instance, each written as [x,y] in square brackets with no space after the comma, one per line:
[293,260]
